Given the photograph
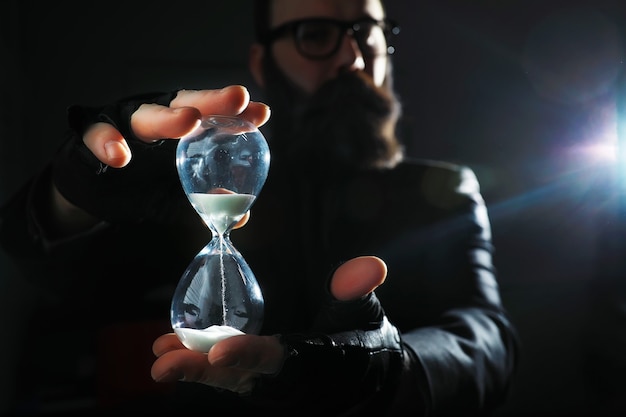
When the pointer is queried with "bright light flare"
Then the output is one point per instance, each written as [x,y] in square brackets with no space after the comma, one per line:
[600,152]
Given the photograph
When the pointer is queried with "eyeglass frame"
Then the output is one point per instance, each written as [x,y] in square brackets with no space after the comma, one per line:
[389,27]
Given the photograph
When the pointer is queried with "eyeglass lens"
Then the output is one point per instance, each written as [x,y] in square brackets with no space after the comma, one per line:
[320,39]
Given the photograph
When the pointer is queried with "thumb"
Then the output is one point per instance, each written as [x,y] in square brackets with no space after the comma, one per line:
[352,303]
[357,277]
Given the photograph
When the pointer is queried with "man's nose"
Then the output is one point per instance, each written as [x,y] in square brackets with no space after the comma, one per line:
[349,55]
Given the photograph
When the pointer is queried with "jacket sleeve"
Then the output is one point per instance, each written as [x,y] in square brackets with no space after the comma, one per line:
[30,245]
[461,358]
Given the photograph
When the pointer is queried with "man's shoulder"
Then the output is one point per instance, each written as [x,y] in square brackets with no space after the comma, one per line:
[426,165]
[432,170]
[441,182]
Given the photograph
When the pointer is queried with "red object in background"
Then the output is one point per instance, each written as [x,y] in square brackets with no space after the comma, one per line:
[124,360]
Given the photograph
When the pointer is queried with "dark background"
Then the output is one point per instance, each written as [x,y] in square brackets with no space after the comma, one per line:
[521,91]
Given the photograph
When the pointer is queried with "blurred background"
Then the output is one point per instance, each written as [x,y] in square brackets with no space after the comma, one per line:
[526,93]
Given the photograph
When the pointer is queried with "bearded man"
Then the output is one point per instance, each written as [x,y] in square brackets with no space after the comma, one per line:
[376,270]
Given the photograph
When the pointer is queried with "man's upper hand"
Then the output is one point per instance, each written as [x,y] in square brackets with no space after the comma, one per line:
[152,122]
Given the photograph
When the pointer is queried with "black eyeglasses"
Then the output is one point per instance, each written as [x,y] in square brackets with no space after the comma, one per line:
[320,38]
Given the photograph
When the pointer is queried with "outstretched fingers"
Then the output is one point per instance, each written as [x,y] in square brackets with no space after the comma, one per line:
[153,122]
[259,354]
[166,343]
[234,363]
[233,100]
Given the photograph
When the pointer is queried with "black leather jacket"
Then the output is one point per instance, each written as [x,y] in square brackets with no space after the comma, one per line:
[426,220]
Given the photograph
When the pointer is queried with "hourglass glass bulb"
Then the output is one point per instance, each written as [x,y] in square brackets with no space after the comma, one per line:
[222,166]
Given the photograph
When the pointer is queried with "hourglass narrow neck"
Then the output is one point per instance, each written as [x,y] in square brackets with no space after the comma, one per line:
[221,244]
[225,235]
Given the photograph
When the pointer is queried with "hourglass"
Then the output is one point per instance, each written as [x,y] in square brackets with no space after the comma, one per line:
[222,167]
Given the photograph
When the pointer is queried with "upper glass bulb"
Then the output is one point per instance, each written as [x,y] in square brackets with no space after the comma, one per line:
[222,165]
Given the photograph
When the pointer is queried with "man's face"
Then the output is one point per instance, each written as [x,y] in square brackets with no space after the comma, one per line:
[337,111]
[309,74]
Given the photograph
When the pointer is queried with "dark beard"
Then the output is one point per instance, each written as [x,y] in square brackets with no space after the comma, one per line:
[347,125]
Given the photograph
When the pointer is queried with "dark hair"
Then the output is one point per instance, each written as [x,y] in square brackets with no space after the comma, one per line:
[262,11]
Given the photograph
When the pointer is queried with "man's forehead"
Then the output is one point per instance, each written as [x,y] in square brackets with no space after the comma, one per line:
[288,10]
